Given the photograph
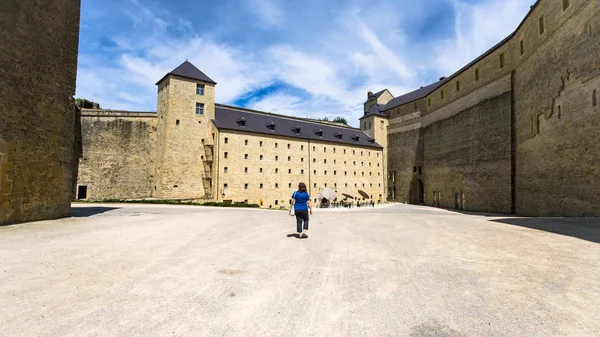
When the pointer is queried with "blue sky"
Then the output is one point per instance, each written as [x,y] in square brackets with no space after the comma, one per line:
[310,58]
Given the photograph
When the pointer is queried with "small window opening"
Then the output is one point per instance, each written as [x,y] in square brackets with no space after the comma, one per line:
[225,154]
[245,186]
[565,4]
[522,46]
[177,122]
[199,109]
[594,99]
[429,102]
[226,140]
[501,60]
[200,89]
[457,85]
[542,25]
[477,74]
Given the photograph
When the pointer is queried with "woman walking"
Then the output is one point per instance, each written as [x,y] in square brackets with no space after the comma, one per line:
[302,208]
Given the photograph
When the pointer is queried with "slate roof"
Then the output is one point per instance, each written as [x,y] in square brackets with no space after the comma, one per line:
[422,92]
[376,95]
[239,119]
[414,95]
[377,109]
[188,70]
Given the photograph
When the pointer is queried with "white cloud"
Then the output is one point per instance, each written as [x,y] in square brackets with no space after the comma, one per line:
[478,28]
[362,49]
[269,12]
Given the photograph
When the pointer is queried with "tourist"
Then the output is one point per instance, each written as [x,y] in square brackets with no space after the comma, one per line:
[302,208]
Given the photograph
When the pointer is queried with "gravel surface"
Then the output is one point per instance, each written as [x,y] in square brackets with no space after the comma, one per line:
[152,270]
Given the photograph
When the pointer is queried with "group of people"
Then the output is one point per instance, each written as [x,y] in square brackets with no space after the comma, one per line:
[303,209]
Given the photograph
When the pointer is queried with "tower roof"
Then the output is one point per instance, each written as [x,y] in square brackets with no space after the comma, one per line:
[188,70]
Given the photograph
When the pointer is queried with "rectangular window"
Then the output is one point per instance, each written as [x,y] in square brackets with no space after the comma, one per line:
[261,157]
[290,185]
[442,94]
[261,186]
[275,145]
[260,170]
[289,158]
[260,144]
[276,170]
[200,89]
[457,85]
[429,102]
[501,60]
[289,146]
[565,4]
[225,154]
[290,171]
[302,160]
[301,147]
[477,74]
[594,99]
[199,109]
[225,170]
[541,25]
[276,185]
[276,158]
[245,186]
[522,47]
[246,156]
[226,140]
[246,142]
[302,171]
[245,170]
[224,186]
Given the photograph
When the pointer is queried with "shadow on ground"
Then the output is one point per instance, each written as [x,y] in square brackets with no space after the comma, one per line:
[582,228]
[84,212]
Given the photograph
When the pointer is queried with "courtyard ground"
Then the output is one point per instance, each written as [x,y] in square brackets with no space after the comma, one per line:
[151,270]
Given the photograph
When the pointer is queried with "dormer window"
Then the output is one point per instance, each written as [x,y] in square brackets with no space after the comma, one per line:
[338,135]
[319,133]
[372,141]
[296,130]
[271,126]
[241,122]
[355,138]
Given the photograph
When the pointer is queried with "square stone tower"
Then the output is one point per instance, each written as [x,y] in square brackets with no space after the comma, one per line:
[186,136]
[374,123]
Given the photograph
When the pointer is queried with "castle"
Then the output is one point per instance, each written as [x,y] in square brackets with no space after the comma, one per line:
[515,131]
[194,149]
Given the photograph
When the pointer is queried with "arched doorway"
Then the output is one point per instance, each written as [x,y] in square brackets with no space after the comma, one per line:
[417,192]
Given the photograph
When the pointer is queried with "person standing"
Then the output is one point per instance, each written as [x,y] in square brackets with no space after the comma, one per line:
[302,208]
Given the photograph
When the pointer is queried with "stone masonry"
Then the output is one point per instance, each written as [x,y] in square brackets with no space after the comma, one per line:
[38,66]
[516,130]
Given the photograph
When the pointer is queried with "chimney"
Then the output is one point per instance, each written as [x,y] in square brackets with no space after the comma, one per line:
[369,94]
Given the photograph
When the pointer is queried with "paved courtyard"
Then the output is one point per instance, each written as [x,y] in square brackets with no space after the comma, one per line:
[147,270]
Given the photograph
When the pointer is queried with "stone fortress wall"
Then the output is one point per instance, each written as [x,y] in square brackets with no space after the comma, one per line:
[38,67]
[490,137]
[178,154]
[118,155]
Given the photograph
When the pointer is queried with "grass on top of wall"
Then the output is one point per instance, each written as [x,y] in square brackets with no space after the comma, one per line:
[174,202]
